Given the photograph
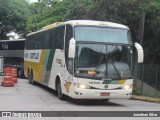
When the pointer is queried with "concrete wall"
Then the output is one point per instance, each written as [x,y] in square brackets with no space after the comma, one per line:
[147,90]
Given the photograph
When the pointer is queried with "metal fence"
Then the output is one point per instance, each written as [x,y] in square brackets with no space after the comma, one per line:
[147,79]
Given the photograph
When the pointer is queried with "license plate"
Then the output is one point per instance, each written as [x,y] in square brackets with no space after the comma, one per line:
[104,94]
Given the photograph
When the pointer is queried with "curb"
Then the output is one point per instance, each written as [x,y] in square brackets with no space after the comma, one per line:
[144,98]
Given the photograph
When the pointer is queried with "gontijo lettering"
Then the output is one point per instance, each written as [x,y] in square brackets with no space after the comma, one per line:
[34,55]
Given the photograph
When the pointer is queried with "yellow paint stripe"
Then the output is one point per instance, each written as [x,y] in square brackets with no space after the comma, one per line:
[36,67]
[42,56]
[121,81]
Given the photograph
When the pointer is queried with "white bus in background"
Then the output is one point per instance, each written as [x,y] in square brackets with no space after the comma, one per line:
[82,59]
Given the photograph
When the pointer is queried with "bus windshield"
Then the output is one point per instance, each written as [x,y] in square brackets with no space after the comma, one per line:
[102,34]
[98,61]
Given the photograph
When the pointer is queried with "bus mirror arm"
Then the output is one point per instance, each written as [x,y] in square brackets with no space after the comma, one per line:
[72,48]
[140,53]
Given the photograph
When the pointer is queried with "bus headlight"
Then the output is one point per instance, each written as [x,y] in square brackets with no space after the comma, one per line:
[82,86]
[127,86]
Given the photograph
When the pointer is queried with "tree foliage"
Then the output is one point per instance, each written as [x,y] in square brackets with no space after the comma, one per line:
[13,15]
[53,14]
[152,32]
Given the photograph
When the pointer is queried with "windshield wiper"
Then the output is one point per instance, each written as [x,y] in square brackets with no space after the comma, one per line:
[116,69]
[99,62]
[114,66]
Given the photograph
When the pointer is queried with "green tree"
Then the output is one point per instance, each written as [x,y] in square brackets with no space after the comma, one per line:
[13,16]
[152,33]
[77,9]
[55,13]
[37,8]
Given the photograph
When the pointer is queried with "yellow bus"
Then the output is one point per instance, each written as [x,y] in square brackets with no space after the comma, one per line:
[82,59]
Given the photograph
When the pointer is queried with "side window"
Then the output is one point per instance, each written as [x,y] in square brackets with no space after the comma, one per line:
[50,40]
[41,40]
[32,42]
[46,39]
[27,43]
[36,41]
[60,37]
[69,35]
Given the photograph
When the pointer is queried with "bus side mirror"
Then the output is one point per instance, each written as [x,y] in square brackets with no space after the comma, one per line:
[140,53]
[72,48]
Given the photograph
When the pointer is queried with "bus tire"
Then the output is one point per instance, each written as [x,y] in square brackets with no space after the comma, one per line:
[31,81]
[59,91]
[29,77]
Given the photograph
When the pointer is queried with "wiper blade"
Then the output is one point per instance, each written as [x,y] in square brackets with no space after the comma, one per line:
[99,62]
[116,69]
[114,66]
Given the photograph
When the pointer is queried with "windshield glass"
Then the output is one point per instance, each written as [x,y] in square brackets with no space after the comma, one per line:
[103,61]
[102,34]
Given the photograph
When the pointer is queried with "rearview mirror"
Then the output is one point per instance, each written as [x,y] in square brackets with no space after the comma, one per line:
[72,48]
[140,54]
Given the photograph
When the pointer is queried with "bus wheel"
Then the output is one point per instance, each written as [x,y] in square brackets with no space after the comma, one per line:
[29,77]
[59,91]
[31,81]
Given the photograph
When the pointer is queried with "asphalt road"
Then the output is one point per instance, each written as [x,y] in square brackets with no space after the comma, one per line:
[26,97]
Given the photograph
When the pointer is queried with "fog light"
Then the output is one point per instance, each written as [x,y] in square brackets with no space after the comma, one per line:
[83,86]
[127,86]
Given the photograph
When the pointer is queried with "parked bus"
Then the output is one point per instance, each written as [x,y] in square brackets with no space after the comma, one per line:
[82,59]
[13,54]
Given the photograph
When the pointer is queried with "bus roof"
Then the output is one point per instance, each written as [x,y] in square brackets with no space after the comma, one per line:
[50,26]
[82,22]
[95,23]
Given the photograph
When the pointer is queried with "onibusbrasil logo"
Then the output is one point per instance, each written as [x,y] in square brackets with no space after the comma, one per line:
[21,114]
